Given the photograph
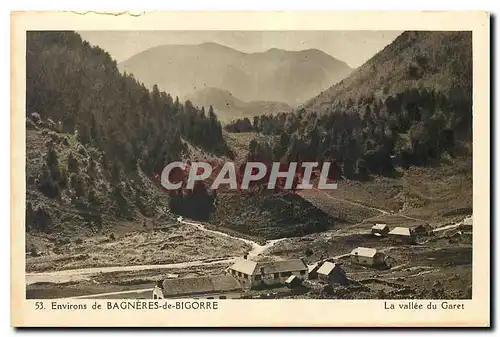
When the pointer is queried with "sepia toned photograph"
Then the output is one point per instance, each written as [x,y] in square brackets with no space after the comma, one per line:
[208,165]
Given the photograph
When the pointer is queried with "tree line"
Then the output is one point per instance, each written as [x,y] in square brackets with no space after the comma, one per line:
[413,127]
[79,88]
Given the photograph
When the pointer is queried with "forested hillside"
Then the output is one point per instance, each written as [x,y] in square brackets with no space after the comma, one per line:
[95,136]
[410,104]
[437,61]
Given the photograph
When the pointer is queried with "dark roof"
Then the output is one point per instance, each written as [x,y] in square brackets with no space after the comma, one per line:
[419,225]
[269,267]
[200,285]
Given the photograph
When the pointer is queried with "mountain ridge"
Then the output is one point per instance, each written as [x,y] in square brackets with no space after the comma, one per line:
[441,61]
[228,107]
[273,75]
[410,104]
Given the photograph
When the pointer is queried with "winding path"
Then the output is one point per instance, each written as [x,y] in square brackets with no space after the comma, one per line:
[354,203]
[73,275]
[455,225]
[256,248]
[381,211]
[70,275]
[63,276]
[110,295]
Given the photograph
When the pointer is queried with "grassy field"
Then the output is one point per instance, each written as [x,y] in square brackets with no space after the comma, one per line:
[171,244]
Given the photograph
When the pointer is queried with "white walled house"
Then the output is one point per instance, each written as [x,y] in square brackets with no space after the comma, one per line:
[331,272]
[367,256]
[313,270]
[251,274]
[380,229]
[402,235]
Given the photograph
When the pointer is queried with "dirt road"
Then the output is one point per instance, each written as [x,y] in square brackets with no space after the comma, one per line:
[354,203]
[73,275]
[62,276]
[455,225]
[121,294]
[381,211]
[256,248]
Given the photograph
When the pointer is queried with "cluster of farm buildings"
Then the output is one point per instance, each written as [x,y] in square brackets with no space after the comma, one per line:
[245,274]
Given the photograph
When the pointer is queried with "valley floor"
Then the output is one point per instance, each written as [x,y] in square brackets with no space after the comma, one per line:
[441,267]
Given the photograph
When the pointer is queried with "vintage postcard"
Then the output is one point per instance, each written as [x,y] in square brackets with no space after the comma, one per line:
[250,169]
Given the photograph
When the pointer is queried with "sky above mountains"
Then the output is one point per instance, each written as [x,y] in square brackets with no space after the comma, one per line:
[352,47]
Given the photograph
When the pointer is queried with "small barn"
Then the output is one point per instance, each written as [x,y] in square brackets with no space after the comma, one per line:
[380,229]
[421,229]
[293,282]
[402,234]
[466,225]
[367,256]
[313,270]
[331,272]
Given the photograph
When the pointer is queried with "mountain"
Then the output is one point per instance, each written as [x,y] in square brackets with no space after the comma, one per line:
[274,75]
[439,61]
[96,138]
[228,107]
[410,104]
[97,141]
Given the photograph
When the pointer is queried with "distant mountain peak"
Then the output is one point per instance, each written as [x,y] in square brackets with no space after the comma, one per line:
[215,45]
[212,44]
[311,51]
[275,75]
[275,50]
[228,107]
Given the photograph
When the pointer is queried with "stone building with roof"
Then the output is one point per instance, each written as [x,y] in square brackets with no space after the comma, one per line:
[313,270]
[380,229]
[367,256]
[252,273]
[420,229]
[466,225]
[402,234]
[293,282]
[330,272]
[202,287]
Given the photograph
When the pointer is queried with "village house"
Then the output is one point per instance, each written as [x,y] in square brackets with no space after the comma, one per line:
[331,272]
[466,225]
[421,229]
[313,270]
[366,257]
[402,234]
[203,287]
[293,282]
[380,229]
[251,273]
